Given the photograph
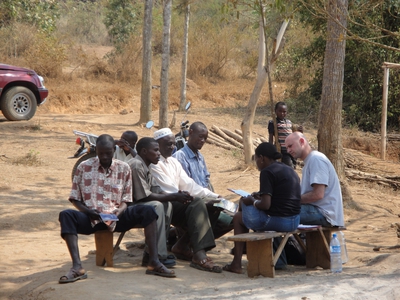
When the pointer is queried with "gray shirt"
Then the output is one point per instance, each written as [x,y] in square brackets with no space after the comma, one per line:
[142,180]
[319,170]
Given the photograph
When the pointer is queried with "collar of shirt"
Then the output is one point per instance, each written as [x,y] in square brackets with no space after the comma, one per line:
[190,152]
[145,167]
[101,169]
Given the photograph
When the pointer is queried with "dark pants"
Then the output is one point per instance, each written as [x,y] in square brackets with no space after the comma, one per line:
[193,217]
[76,222]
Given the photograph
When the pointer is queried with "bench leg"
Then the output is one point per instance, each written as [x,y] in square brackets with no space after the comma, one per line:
[260,258]
[318,255]
[104,248]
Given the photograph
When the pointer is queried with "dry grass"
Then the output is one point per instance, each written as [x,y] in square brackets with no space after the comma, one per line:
[30,159]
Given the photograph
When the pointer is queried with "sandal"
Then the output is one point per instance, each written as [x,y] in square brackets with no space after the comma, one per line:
[160,270]
[206,265]
[228,268]
[73,275]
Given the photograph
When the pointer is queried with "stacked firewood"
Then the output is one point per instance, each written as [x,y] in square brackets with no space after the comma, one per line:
[230,140]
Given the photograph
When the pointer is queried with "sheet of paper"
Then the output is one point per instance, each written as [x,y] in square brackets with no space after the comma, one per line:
[240,192]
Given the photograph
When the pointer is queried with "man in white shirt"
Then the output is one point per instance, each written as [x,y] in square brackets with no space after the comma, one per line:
[192,216]
[321,196]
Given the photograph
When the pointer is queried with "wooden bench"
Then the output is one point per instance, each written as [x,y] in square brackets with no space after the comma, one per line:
[105,250]
[260,253]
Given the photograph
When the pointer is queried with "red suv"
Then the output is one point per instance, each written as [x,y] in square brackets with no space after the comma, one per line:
[21,92]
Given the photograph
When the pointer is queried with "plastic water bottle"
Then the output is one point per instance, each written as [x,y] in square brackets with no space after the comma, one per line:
[336,259]
[343,247]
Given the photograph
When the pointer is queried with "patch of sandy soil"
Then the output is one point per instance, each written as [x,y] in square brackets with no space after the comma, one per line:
[33,256]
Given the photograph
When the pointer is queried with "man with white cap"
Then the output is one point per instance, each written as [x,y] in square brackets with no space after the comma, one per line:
[191,216]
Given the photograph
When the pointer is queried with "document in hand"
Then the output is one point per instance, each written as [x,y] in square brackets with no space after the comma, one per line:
[108,217]
[228,206]
[240,192]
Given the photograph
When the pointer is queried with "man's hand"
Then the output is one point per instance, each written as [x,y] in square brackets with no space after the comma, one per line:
[93,214]
[183,197]
[123,144]
[248,200]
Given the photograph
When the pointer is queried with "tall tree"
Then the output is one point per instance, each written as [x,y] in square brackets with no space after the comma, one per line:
[145,99]
[165,56]
[186,11]
[330,114]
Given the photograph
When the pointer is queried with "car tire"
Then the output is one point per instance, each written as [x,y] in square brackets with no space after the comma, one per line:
[18,103]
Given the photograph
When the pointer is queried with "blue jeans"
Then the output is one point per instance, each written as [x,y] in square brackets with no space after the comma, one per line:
[259,220]
[311,215]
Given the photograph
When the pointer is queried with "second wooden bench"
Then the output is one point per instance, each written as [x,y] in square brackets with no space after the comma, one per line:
[262,259]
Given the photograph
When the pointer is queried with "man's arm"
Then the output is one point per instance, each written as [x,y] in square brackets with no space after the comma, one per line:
[316,194]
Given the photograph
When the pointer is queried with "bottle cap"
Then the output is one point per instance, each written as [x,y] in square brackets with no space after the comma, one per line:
[334,235]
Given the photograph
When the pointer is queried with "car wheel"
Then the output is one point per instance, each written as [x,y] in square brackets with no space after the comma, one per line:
[18,103]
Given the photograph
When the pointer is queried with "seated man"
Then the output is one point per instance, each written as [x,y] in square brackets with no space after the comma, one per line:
[104,185]
[146,192]
[193,163]
[191,216]
[321,196]
[125,146]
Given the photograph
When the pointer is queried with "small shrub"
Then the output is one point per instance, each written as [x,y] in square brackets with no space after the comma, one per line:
[30,159]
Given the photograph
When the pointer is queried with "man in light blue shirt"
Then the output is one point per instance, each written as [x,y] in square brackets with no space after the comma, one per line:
[193,163]
[321,196]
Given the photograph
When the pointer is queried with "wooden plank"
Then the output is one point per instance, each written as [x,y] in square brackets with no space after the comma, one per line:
[260,257]
[255,236]
[104,248]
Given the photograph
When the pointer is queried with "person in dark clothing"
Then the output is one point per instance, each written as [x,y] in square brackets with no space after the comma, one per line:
[275,207]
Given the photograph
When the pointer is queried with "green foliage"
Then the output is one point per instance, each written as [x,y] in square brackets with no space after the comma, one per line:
[82,22]
[363,75]
[122,19]
[41,13]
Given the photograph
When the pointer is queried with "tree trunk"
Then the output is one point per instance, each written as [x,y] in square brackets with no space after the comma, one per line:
[248,120]
[184,58]
[145,98]
[330,116]
[164,77]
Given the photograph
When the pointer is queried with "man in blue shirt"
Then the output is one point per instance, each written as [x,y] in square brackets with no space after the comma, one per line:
[193,163]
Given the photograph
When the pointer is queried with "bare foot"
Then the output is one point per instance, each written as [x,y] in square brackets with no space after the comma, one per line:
[230,268]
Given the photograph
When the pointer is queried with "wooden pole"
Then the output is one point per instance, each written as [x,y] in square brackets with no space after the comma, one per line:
[384,111]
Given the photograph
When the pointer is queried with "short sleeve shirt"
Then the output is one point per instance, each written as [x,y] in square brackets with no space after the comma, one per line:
[101,190]
[319,170]
[282,183]
[143,182]
[285,127]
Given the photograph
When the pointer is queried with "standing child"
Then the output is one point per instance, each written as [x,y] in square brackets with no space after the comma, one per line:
[285,127]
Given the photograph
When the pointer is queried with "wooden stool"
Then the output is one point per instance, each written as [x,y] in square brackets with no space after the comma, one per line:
[104,247]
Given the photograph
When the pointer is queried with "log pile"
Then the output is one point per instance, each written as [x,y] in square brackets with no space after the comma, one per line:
[230,140]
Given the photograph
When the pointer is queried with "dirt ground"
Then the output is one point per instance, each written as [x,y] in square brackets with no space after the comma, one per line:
[35,184]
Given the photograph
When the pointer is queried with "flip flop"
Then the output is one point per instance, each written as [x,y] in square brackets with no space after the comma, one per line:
[72,276]
[160,270]
[228,268]
[206,265]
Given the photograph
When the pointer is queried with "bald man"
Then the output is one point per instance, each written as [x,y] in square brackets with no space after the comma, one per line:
[321,196]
